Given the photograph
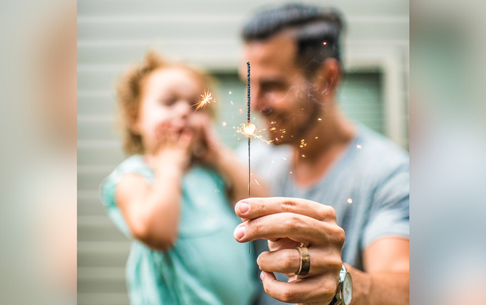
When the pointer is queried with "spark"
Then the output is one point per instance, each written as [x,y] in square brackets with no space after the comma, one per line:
[317,138]
[302,143]
[350,200]
[319,119]
[303,156]
[284,158]
[257,182]
[206,98]
[250,131]
[358,146]
[272,122]
[291,172]
[231,102]
[273,128]
[324,43]
[230,92]
[224,124]
[240,110]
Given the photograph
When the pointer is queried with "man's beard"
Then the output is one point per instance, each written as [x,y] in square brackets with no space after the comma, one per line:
[312,108]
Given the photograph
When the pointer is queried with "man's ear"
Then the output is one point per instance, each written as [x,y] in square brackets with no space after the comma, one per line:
[329,76]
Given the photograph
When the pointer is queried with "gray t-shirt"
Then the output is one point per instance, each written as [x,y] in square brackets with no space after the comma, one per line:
[368,187]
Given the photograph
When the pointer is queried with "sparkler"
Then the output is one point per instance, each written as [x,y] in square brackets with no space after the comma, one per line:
[206,98]
[249,131]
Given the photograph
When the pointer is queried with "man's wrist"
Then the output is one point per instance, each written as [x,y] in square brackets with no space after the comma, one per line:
[344,290]
[361,286]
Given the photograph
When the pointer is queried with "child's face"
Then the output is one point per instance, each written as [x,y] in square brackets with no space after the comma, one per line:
[167,102]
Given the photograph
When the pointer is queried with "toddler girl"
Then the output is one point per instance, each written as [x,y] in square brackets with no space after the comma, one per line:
[172,195]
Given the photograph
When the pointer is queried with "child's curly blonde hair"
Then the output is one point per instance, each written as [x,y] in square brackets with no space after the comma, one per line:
[130,91]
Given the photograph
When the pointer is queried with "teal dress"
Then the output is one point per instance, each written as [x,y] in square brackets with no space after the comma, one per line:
[206,265]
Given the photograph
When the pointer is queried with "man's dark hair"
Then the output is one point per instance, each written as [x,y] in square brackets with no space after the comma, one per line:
[317,31]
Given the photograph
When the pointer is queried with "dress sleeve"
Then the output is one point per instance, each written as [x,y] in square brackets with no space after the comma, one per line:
[108,188]
[390,214]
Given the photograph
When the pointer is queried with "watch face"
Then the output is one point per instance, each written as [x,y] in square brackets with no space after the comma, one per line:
[347,289]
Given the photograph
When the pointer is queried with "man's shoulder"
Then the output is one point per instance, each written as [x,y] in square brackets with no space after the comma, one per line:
[379,148]
[375,156]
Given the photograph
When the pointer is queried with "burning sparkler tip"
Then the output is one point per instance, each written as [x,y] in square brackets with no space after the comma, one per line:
[206,98]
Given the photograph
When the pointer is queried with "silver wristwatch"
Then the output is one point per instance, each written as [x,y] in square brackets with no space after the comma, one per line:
[344,293]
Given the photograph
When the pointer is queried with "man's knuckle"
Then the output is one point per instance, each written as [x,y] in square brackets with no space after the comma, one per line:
[268,289]
[322,212]
[259,206]
[331,213]
[295,222]
[335,264]
[289,261]
[340,236]
[328,288]
[288,205]
[257,227]
[287,295]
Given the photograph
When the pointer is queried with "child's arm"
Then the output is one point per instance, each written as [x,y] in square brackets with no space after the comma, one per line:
[226,163]
[236,175]
[152,212]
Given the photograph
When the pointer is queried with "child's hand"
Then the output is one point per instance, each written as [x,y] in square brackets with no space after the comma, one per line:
[173,148]
[207,148]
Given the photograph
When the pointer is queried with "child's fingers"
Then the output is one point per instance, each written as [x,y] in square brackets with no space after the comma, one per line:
[172,136]
[185,139]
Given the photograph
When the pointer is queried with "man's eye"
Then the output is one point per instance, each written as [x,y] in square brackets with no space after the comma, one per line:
[272,86]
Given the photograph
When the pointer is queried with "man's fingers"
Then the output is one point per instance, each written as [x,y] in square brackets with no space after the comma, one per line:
[287,261]
[283,261]
[251,208]
[293,226]
[306,290]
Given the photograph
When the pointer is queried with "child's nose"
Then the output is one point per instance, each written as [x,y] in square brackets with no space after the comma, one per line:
[183,109]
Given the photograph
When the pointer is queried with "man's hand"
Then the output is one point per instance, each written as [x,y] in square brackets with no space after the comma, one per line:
[286,223]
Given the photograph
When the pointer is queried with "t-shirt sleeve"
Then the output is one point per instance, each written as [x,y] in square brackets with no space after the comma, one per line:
[108,189]
[390,213]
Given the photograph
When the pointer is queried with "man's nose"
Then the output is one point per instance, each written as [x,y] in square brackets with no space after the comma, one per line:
[258,101]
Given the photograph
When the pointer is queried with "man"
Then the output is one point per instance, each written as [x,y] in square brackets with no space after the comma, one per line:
[335,177]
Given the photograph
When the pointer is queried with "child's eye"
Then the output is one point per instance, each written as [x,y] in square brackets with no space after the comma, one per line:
[168,101]
[193,104]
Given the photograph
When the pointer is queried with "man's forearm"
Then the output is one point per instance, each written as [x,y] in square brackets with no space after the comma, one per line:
[383,288]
